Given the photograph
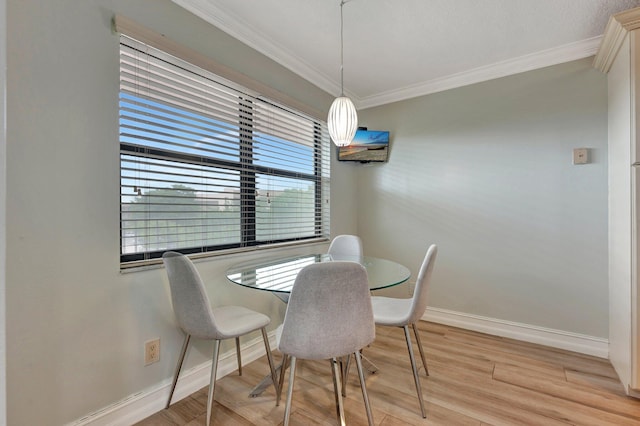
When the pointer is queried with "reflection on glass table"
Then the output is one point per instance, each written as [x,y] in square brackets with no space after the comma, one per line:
[278,275]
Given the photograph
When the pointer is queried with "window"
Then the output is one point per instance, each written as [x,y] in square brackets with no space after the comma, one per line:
[206,165]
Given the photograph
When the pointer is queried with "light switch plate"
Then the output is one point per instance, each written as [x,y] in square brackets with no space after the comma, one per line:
[580,156]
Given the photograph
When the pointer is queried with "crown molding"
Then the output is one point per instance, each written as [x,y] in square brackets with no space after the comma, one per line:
[234,26]
[617,29]
[565,53]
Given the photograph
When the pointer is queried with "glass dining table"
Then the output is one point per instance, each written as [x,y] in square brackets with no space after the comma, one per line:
[278,275]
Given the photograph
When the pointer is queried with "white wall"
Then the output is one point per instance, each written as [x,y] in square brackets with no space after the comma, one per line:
[486,172]
[76,325]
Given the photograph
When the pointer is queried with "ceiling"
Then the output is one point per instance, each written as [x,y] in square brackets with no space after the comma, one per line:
[400,49]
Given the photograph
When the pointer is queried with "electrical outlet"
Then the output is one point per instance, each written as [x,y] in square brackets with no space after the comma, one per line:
[151,351]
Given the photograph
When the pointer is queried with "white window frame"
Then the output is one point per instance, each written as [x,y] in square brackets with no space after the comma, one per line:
[250,199]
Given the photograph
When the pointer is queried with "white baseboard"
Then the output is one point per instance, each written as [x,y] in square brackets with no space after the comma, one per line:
[575,342]
[148,402]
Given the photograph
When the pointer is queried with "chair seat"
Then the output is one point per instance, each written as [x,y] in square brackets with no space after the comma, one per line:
[235,321]
[391,311]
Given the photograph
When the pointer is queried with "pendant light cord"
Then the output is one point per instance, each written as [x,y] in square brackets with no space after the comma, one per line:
[342,2]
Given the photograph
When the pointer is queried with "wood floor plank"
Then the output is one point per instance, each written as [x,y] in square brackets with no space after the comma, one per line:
[473,402]
[475,380]
[531,351]
[220,414]
[590,380]
[594,398]
[508,405]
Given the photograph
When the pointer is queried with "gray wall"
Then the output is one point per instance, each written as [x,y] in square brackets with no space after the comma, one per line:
[486,172]
[75,325]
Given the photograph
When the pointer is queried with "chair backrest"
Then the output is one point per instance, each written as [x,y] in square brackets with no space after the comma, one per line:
[419,304]
[189,297]
[329,312]
[345,246]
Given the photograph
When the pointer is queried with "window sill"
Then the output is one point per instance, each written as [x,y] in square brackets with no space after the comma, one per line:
[144,265]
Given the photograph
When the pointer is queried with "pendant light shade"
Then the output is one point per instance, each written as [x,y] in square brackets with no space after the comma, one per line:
[342,121]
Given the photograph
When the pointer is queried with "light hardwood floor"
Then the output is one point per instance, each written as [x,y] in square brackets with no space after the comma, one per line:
[475,379]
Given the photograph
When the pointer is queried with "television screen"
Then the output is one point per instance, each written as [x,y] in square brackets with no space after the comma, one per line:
[367,145]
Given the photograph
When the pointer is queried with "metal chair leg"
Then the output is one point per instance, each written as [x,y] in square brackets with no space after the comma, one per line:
[424,362]
[363,386]
[283,367]
[212,383]
[337,391]
[416,378]
[344,368]
[274,377]
[238,356]
[292,377]
[183,352]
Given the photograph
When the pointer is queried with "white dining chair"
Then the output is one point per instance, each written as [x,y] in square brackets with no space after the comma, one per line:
[345,246]
[329,316]
[198,319]
[403,313]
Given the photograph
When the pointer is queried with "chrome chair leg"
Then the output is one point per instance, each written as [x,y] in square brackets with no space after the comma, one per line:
[274,377]
[183,352]
[337,391]
[212,383]
[238,356]
[371,367]
[283,367]
[424,362]
[344,368]
[416,378]
[363,386]
[292,377]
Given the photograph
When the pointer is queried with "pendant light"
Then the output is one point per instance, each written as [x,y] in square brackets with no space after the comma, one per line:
[343,118]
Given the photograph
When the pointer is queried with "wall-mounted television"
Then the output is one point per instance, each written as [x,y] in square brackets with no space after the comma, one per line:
[367,146]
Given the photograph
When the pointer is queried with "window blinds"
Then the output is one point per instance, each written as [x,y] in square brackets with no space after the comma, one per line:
[207,165]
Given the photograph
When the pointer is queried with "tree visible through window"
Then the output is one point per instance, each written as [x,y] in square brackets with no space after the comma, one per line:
[206,166]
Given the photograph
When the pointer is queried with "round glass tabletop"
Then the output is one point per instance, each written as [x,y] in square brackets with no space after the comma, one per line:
[278,275]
